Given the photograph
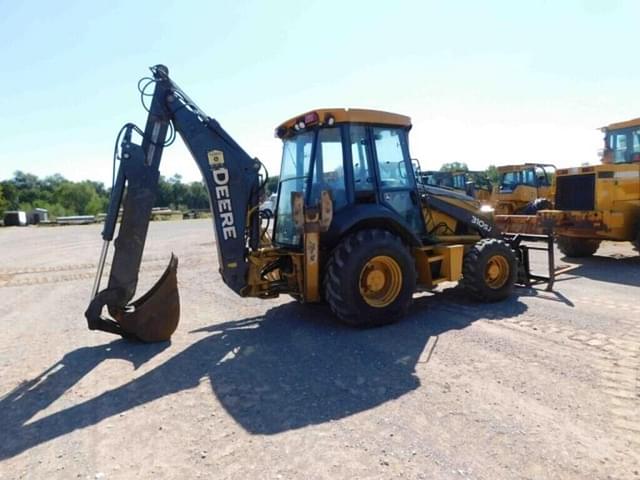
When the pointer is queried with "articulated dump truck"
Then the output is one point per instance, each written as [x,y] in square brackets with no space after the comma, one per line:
[593,203]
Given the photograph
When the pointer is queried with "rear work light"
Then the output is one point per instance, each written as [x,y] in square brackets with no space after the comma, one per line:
[311,118]
[307,120]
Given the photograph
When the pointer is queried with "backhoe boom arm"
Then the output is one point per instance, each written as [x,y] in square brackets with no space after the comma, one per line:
[229,173]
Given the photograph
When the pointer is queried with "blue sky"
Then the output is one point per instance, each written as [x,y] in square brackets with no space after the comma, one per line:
[484,82]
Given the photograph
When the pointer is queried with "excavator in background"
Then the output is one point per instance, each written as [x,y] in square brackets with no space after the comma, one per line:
[352,226]
[524,189]
[474,184]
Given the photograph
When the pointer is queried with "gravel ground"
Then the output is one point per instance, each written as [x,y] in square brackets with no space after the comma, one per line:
[544,385]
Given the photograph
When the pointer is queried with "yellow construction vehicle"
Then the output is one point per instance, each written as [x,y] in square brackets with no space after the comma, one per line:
[352,226]
[601,202]
[474,184]
[524,189]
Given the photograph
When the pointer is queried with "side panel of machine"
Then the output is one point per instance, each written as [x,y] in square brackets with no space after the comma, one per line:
[367,216]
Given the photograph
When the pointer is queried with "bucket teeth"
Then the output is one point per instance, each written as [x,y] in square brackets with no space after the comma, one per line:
[151,318]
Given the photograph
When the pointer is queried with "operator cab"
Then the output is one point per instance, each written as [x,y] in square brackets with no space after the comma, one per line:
[531,175]
[360,156]
[622,142]
[438,179]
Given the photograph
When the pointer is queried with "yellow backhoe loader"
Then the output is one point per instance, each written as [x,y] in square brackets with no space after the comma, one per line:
[352,226]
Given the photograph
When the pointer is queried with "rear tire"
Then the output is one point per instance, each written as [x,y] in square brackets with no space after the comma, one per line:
[370,279]
[577,247]
[489,270]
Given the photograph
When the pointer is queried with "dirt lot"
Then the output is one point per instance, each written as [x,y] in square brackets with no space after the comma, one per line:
[545,385]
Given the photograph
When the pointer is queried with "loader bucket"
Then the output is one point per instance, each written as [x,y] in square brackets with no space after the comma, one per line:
[151,318]
[154,316]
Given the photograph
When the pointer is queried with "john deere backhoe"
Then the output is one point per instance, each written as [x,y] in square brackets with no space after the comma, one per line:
[352,225]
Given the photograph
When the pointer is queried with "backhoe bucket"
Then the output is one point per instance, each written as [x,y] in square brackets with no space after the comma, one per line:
[151,318]
[154,316]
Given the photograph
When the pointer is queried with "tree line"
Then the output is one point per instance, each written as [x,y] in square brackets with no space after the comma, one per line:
[61,197]
[491,172]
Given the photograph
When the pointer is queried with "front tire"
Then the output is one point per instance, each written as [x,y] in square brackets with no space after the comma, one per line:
[370,279]
[489,270]
[577,247]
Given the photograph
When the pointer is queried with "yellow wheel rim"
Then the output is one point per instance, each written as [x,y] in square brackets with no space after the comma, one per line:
[496,272]
[380,281]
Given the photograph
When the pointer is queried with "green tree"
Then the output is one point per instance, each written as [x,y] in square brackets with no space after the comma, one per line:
[28,187]
[196,196]
[10,193]
[492,174]
[55,193]
[178,192]
[63,197]
[454,167]
[80,198]
[3,202]
[164,197]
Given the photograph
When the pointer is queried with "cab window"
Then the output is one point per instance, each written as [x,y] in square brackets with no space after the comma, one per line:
[618,144]
[392,165]
[529,177]
[541,177]
[294,174]
[460,182]
[362,176]
[510,180]
[329,169]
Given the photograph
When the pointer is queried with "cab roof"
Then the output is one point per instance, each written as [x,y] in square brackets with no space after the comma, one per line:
[619,125]
[350,115]
[523,166]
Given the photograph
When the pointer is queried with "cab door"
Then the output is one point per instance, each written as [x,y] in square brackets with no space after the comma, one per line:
[396,183]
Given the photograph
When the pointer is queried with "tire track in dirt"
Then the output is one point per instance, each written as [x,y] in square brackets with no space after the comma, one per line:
[621,369]
[617,359]
[66,267]
[81,271]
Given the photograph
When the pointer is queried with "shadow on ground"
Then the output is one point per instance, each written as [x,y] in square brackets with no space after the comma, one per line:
[624,270]
[290,368]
